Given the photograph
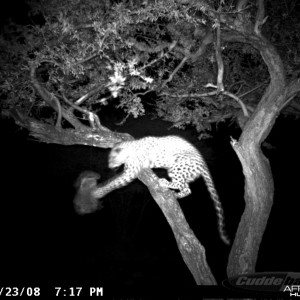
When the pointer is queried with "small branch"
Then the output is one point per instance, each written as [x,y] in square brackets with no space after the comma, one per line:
[260,20]
[235,83]
[47,97]
[206,41]
[93,55]
[143,93]
[175,71]
[59,113]
[93,118]
[242,4]
[122,121]
[86,59]
[291,91]
[146,48]
[219,58]
[161,56]
[82,110]
[88,95]
[243,106]
[190,95]
[187,55]
[52,101]
[252,90]
[241,103]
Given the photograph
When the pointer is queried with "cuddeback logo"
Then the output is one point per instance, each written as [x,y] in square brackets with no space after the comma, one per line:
[266,282]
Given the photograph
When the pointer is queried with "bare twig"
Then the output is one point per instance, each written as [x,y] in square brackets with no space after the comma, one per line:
[88,95]
[92,117]
[241,103]
[86,59]
[241,5]
[190,95]
[252,90]
[146,48]
[219,57]
[243,106]
[175,71]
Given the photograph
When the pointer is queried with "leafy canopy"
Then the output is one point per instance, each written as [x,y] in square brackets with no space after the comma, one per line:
[129,53]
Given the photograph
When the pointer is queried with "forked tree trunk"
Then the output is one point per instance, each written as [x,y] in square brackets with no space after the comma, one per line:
[259,186]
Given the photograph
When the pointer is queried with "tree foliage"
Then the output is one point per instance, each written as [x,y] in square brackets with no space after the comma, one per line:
[92,53]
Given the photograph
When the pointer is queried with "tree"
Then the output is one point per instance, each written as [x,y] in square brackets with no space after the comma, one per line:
[202,61]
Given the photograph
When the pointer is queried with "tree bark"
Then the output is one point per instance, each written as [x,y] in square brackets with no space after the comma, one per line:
[48,133]
[259,185]
[192,252]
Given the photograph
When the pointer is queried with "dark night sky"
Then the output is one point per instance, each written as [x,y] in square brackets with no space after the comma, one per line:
[14,9]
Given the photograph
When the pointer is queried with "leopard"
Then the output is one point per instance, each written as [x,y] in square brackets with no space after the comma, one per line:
[182,161]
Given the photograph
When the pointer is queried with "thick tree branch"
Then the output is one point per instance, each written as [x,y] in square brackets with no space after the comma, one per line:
[53,135]
[259,186]
[193,253]
[52,101]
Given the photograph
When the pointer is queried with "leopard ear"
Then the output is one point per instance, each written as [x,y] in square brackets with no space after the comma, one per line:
[117,150]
